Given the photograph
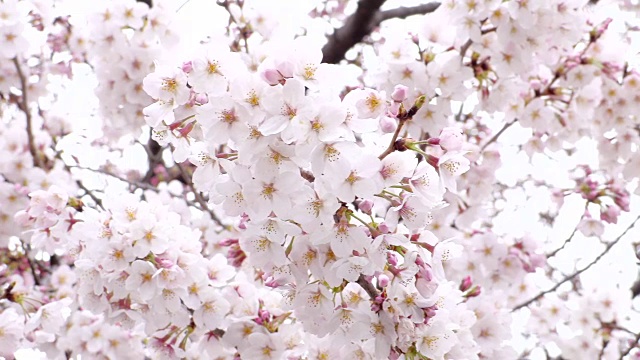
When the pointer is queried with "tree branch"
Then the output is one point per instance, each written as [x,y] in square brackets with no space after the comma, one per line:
[367,286]
[362,22]
[574,275]
[199,198]
[24,106]
[404,12]
[497,135]
[148,2]
[635,343]
[355,28]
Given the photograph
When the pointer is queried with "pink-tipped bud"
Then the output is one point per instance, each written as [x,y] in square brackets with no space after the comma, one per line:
[202,99]
[388,125]
[392,259]
[394,109]
[465,284]
[163,263]
[383,280]
[365,206]
[400,93]
[610,214]
[384,228]
[271,76]
[187,67]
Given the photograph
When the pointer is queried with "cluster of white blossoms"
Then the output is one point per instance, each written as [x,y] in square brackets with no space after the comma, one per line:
[322,205]
[310,219]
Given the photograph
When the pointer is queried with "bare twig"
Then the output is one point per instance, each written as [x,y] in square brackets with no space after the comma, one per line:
[32,265]
[574,275]
[554,252]
[24,106]
[497,135]
[199,198]
[626,352]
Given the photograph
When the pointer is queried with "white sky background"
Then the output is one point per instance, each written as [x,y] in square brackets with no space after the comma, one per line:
[201,18]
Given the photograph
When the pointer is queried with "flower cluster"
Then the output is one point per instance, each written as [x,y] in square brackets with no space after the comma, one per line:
[367,210]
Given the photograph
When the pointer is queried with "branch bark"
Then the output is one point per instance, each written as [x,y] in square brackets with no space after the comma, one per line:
[24,106]
[405,11]
[362,22]
[355,28]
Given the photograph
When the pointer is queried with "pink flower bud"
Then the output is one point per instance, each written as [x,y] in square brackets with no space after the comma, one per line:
[392,259]
[202,99]
[271,76]
[383,228]
[163,263]
[610,214]
[383,280]
[387,124]
[466,284]
[394,109]
[399,93]
[451,139]
[187,67]
[285,68]
[365,206]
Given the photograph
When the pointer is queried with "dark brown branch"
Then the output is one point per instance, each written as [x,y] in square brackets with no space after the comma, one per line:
[355,28]
[362,22]
[635,288]
[368,287]
[405,11]
[148,2]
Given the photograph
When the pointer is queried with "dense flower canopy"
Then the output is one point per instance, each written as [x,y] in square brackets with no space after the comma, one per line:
[326,179]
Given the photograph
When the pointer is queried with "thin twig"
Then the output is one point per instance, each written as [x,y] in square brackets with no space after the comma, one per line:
[574,275]
[626,352]
[32,266]
[497,135]
[24,106]
[199,198]
[554,252]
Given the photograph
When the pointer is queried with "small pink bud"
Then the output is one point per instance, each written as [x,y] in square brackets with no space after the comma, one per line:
[365,206]
[394,109]
[466,284]
[285,68]
[163,263]
[399,93]
[387,124]
[392,259]
[187,67]
[383,280]
[272,76]
[383,228]
[610,214]
[202,99]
